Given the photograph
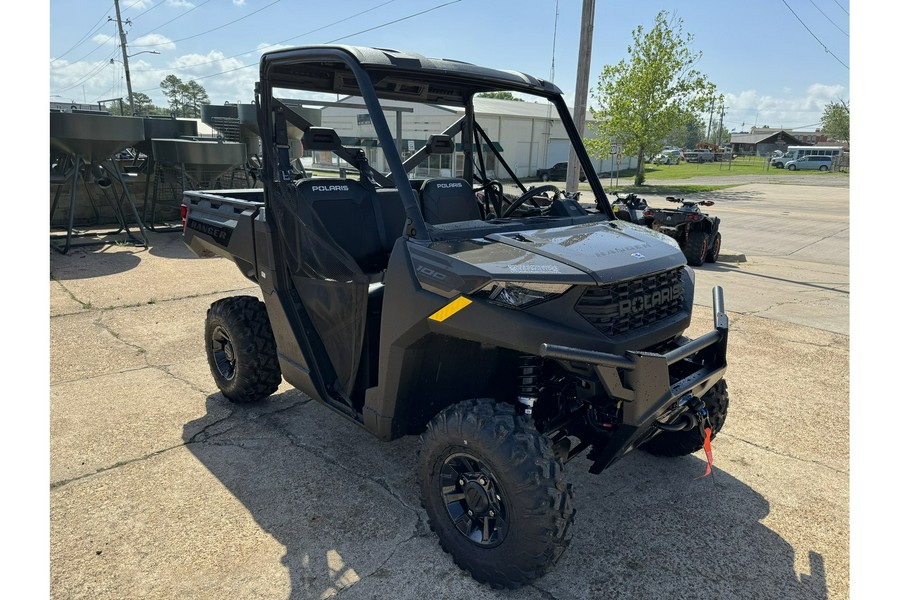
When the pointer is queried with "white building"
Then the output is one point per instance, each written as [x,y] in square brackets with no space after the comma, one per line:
[529,135]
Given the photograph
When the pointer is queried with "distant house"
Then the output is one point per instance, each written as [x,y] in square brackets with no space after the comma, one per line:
[762,141]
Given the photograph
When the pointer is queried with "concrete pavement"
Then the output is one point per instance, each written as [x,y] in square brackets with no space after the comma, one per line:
[160,488]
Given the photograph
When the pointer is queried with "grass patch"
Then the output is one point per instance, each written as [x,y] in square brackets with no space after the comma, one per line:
[668,189]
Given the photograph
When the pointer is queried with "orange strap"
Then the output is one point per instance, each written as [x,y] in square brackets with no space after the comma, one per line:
[709,458]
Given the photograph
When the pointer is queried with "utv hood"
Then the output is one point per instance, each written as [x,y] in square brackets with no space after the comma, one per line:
[607,251]
[587,254]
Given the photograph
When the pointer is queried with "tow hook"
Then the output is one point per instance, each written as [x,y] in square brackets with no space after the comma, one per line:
[695,415]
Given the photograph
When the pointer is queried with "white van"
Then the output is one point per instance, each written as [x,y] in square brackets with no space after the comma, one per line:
[809,162]
[795,152]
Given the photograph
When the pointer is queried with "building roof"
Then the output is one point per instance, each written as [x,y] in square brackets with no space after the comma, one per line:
[766,136]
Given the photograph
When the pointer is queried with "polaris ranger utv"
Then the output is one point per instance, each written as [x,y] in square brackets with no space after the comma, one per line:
[512,329]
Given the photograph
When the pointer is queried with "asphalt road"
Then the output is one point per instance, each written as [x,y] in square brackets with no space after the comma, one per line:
[160,488]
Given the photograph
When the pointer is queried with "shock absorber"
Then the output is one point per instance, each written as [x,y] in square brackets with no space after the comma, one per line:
[529,378]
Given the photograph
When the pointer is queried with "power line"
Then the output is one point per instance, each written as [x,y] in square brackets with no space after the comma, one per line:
[90,75]
[282,42]
[842,8]
[139,15]
[97,26]
[98,47]
[190,37]
[814,35]
[394,21]
[829,18]
[184,14]
[330,42]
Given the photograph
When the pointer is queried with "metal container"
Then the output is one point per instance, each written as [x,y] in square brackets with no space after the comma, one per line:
[95,137]
[208,112]
[214,158]
[164,128]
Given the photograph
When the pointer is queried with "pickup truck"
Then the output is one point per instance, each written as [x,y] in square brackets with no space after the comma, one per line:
[700,155]
[557,172]
[511,328]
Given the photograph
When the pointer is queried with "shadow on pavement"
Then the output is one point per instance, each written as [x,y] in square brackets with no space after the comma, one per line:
[343,504]
[87,261]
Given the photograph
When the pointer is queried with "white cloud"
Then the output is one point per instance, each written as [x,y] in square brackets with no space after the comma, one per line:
[799,111]
[239,2]
[180,4]
[105,40]
[225,79]
[152,41]
[140,5]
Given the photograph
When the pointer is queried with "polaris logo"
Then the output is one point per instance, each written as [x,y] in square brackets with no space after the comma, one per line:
[449,185]
[660,297]
[331,188]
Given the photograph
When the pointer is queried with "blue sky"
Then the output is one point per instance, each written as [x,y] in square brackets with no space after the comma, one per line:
[778,62]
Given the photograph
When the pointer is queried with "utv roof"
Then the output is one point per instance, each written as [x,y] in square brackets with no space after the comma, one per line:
[396,75]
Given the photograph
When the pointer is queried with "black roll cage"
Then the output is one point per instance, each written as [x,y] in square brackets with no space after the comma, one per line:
[280,69]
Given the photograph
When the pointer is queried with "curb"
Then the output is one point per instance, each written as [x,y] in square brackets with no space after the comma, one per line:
[732,257]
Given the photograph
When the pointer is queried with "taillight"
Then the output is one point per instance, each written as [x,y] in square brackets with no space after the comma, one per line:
[694,217]
[648,213]
[184,211]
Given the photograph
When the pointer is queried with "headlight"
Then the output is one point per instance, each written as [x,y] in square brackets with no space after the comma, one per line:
[520,294]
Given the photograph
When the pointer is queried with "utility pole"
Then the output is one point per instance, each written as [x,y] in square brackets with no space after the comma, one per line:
[125,56]
[719,139]
[581,88]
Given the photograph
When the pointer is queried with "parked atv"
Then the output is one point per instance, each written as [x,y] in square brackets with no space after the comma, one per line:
[696,232]
[629,208]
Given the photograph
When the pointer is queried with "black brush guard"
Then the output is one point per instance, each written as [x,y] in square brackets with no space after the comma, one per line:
[653,388]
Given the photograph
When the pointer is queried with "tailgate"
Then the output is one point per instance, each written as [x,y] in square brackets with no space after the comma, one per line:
[218,224]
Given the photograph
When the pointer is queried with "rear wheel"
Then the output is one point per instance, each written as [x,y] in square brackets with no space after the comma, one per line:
[695,248]
[712,255]
[823,168]
[240,349]
[681,443]
[494,492]
[545,177]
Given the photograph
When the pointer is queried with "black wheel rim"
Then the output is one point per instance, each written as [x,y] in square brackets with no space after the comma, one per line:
[474,500]
[223,353]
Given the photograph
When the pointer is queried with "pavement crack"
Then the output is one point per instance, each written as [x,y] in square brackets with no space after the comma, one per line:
[785,455]
[821,239]
[378,567]
[62,482]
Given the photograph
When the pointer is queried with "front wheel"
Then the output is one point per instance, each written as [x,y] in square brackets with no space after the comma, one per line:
[240,348]
[494,492]
[792,167]
[695,248]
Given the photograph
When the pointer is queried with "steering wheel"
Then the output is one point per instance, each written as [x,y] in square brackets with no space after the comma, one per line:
[531,194]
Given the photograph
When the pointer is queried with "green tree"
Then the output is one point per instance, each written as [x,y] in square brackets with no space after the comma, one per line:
[173,89]
[194,97]
[500,96]
[142,104]
[836,121]
[651,93]
[688,133]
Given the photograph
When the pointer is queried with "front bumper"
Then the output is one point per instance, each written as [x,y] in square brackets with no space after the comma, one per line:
[652,387]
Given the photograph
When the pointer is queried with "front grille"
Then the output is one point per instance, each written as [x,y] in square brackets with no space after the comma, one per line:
[624,306]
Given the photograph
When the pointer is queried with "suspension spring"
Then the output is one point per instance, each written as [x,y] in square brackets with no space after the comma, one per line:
[529,380]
